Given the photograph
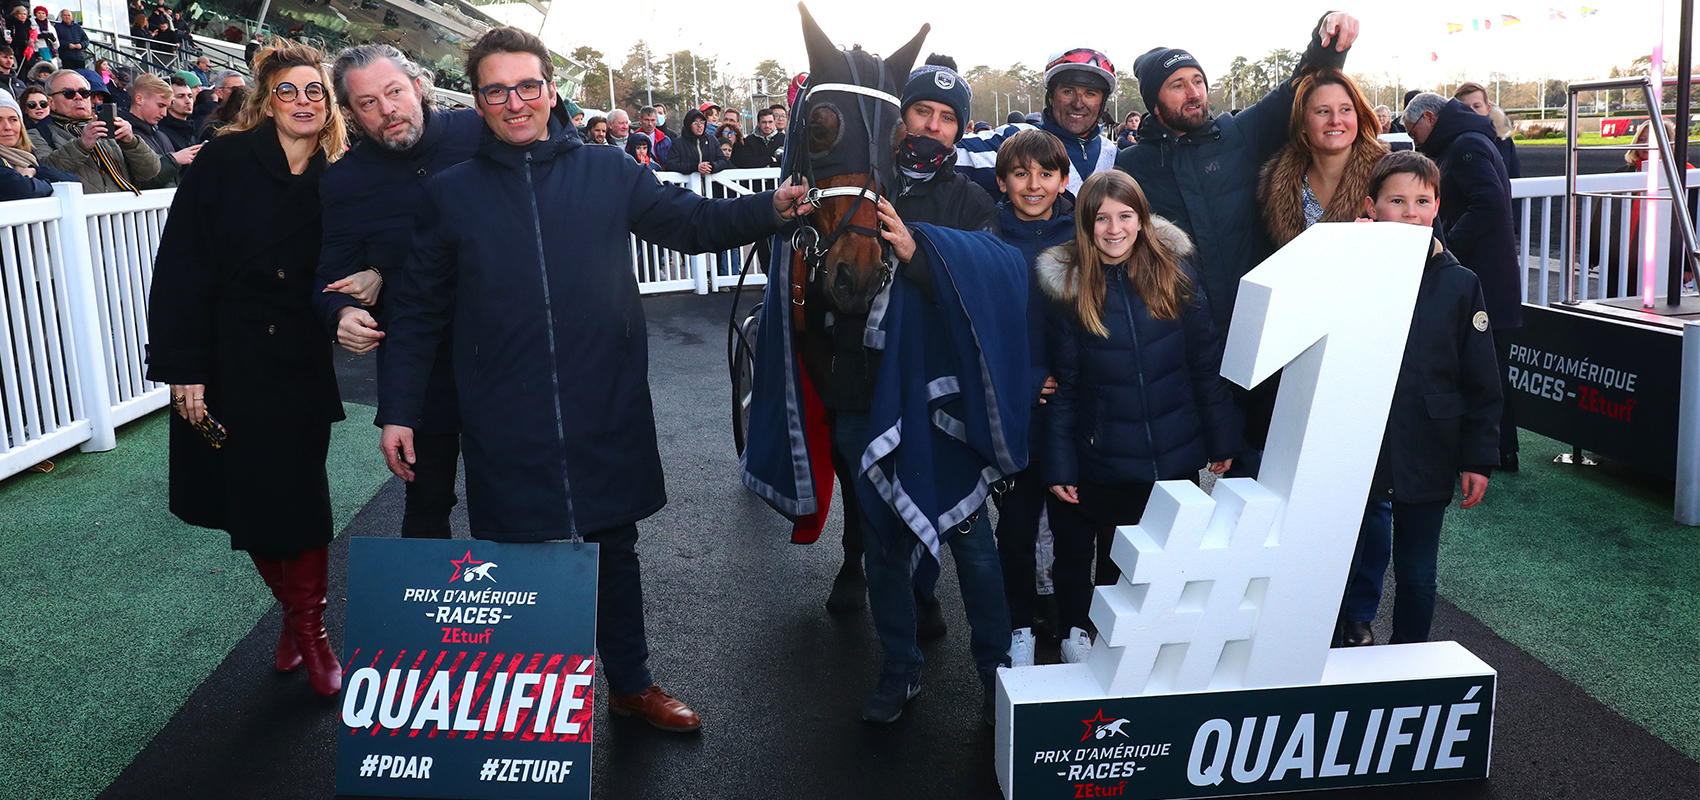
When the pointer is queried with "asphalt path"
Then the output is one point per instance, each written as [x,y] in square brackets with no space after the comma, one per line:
[737,629]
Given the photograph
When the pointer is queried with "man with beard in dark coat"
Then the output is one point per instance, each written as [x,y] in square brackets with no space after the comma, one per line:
[526,246]
[371,198]
[1475,215]
[175,125]
[1200,172]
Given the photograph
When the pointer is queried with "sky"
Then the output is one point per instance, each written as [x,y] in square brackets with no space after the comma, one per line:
[1404,40]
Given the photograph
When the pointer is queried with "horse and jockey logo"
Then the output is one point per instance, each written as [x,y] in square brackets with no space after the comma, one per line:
[1100,728]
[468,569]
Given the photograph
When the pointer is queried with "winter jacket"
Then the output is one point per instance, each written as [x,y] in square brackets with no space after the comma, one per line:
[70,34]
[1031,237]
[1148,402]
[529,246]
[1475,207]
[756,152]
[229,309]
[372,197]
[170,172]
[977,155]
[134,160]
[1206,181]
[1127,138]
[659,145]
[1446,403]
[689,151]
[948,200]
[1280,189]
[179,132]
[15,185]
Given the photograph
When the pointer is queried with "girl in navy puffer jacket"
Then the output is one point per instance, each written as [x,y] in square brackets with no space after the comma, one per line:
[1140,397]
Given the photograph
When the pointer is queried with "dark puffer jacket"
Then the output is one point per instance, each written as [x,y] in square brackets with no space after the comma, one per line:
[1206,181]
[1445,412]
[1475,207]
[690,151]
[1148,402]
[1031,237]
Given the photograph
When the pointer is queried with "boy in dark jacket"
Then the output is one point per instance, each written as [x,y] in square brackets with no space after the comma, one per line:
[1036,214]
[1443,421]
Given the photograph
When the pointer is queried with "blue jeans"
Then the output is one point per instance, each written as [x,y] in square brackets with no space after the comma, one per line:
[1410,533]
[892,560]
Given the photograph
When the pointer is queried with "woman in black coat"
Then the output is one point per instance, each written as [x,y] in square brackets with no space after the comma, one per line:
[232,329]
[1140,397]
[695,150]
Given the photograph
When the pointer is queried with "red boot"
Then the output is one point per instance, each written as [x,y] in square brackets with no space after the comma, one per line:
[304,583]
[287,657]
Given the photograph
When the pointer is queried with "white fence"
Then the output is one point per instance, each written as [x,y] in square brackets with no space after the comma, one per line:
[1604,240]
[75,272]
[72,336]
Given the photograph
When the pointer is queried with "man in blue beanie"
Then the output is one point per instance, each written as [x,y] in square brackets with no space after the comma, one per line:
[1200,172]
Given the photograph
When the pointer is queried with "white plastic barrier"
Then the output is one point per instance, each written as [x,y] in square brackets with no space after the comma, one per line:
[73,337]
[661,270]
[1542,224]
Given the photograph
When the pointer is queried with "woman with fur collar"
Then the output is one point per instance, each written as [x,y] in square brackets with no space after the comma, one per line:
[1323,172]
[1140,397]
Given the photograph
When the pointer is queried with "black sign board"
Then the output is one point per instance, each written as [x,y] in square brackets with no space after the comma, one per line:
[467,670]
[1295,739]
[1604,385]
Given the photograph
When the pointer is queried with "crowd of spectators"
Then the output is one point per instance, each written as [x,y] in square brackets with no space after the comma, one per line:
[103,125]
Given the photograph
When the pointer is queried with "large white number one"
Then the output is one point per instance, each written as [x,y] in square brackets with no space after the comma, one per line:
[1241,590]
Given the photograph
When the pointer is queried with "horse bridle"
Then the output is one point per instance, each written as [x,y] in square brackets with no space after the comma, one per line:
[807,239]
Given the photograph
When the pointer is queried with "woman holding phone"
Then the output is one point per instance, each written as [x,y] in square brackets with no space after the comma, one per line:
[232,330]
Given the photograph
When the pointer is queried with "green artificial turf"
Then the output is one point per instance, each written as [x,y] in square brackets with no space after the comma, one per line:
[115,611]
[1585,569]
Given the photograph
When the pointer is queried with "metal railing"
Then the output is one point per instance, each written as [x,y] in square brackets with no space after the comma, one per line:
[1605,234]
[76,270]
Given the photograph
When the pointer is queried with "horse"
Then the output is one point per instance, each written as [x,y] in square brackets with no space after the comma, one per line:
[842,139]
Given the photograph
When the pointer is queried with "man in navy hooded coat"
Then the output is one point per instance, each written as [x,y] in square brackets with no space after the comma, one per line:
[526,246]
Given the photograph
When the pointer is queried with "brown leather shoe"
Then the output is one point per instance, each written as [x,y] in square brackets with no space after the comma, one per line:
[656,707]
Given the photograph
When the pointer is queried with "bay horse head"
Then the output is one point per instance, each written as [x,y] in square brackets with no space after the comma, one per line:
[843,132]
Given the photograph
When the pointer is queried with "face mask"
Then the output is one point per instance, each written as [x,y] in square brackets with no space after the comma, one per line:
[920,157]
[660,120]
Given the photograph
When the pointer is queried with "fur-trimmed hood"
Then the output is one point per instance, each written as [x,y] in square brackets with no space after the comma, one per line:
[1501,123]
[1280,189]
[1053,264]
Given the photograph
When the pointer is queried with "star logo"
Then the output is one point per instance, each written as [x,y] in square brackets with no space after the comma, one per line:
[463,565]
[1099,727]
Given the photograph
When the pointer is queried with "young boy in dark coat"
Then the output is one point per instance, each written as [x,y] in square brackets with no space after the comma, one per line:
[1037,213]
[1444,419]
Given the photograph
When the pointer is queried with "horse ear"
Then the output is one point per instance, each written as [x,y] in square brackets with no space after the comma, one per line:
[822,53]
[902,61]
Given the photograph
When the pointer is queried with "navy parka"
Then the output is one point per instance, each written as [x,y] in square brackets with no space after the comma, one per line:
[1030,237]
[1446,404]
[1148,402]
[526,248]
[371,197]
[1475,207]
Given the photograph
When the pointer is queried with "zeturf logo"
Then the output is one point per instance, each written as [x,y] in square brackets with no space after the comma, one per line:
[468,569]
[1100,728]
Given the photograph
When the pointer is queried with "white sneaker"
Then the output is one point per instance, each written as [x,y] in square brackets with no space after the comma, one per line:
[1076,646]
[1021,644]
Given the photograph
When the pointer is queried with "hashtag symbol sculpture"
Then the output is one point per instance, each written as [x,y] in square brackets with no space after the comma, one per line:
[1194,576]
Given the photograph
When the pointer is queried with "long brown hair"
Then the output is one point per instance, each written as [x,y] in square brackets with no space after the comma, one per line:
[269,66]
[1368,144]
[1151,268]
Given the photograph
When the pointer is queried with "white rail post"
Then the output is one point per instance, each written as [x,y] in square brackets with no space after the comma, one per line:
[700,269]
[1688,430]
[87,330]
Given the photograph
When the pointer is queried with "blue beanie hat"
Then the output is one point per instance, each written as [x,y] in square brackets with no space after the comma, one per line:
[940,85]
[1155,67]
